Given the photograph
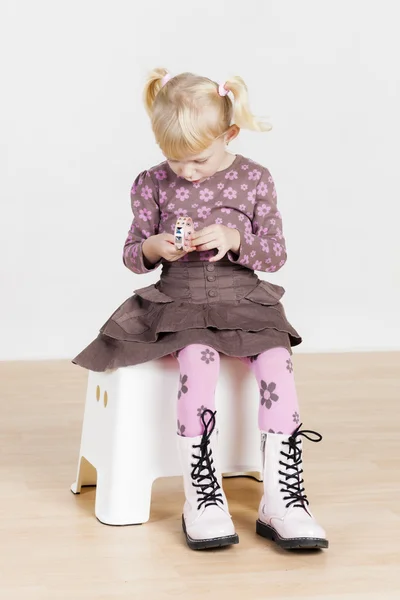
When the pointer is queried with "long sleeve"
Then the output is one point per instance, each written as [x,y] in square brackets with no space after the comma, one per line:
[146,220]
[262,245]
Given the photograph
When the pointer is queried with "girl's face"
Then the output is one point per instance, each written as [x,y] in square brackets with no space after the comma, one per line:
[215,158]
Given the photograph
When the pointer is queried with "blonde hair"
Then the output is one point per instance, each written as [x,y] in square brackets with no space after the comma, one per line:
[187,113]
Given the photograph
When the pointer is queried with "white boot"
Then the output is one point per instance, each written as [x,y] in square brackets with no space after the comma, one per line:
[284,515]
[206,520]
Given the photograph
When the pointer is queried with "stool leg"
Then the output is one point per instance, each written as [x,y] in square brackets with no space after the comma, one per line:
[256,475]
[125,501]
[86,475]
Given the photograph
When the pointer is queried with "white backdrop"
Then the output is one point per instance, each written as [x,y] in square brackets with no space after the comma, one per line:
[74,135]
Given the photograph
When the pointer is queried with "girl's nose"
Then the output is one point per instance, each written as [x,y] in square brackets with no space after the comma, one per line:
[187,172]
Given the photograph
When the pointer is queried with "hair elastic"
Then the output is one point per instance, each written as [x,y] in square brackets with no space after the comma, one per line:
[222,91]
[165,79]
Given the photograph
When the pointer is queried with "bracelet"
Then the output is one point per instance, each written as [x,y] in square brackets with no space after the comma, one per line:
[183,228]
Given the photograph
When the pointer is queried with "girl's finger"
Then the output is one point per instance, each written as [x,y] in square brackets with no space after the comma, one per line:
[206,240]
[175,252]
[202,239]
[209,246]
[221,254]
[169,237]
[206,231]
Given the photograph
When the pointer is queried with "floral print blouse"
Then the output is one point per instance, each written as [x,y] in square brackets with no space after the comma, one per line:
[242,197]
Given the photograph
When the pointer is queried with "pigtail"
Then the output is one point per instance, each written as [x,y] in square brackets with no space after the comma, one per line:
[152,87]
[242,115]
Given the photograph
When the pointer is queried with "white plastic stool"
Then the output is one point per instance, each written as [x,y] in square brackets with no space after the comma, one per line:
[130,429]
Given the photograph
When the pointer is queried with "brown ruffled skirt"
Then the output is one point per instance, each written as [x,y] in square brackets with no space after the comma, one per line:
[222,305]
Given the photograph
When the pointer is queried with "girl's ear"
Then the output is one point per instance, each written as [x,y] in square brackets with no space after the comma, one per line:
[231,134]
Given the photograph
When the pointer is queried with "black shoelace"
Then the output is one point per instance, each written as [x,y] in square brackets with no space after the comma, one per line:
[293,483]
[203,473]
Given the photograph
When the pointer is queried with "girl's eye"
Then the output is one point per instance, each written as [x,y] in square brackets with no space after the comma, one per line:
[201,162]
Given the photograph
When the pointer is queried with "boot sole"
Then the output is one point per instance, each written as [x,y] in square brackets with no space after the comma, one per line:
[266,531]
[219,542]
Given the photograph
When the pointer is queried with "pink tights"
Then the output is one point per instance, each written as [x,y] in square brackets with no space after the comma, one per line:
[273,369]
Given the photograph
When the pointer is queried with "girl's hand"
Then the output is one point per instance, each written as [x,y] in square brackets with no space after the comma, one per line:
[216,236]
[162,246]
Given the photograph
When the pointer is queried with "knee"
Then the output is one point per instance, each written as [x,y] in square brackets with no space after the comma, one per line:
[276,358]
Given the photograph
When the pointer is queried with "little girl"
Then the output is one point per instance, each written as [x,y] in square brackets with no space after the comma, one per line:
[209,301]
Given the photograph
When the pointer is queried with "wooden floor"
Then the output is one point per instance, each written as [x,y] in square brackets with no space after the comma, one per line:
[52,547]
